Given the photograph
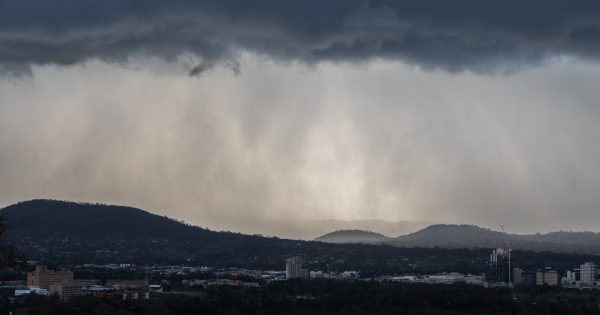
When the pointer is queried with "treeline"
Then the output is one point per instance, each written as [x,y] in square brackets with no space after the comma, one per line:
[331,297]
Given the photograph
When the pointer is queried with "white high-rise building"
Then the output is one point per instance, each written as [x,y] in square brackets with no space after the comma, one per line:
[293,269]
[588,272]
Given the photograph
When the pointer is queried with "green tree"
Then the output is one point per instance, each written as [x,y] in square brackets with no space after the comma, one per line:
[10,256]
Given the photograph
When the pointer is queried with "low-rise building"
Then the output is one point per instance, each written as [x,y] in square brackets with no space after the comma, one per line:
[349,275]
[135,296]
[128,284]
[25,290]
[445,278]
[407,278]
[517,276]
[475,279]
[155,288]
[66,290]
[574,275]
[546,276]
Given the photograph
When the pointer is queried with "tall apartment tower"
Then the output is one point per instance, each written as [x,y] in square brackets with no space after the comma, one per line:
[293,269]
[499,268]
[588,272]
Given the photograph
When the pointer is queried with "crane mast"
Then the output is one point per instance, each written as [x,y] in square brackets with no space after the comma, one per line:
[507,247]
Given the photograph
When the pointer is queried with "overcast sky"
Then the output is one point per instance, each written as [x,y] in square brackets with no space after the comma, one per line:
[223,113]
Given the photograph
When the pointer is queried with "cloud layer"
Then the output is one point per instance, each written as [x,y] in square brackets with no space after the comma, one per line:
[382,140]
[453,35]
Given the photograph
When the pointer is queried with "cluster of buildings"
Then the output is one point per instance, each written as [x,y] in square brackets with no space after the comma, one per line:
[206,283]
[501,272]
[62,283]
[586,276]
[175,270]
[56,282]
[294,270]
[439,278]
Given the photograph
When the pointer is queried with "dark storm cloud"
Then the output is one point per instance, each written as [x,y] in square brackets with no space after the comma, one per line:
[480,35]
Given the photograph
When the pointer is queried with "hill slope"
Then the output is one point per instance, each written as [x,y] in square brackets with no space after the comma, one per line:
[471,236]
[70,232]
[352,236]
[51,218]
[75,233]
[447,235]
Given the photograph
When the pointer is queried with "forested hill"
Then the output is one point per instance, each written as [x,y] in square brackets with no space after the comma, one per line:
[72,232]
[451,235]
[353,236]
[76,233]
[52,218]
[471,236]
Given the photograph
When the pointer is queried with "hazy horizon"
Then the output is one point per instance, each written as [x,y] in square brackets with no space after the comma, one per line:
[311,229]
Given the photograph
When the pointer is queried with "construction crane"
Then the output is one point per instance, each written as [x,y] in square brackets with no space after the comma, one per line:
[508,247]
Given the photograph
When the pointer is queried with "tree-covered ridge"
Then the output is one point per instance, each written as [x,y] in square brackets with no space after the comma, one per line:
[353,236]
[472,236]
[57,218]
[77,233]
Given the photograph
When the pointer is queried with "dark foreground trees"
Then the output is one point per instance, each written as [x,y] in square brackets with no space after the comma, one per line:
[10,256]
[333,297]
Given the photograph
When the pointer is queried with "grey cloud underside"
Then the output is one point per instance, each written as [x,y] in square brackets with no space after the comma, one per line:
[453,35]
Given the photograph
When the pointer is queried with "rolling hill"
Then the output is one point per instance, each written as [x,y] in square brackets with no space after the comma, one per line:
[471,236]
[353,236]
[52,218]
[450,235]
[66,233]
[310,229]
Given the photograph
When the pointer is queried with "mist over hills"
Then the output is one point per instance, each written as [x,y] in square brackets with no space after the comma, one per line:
[353,236]
[471,236]
[459,236]
[310,229]
[446,235]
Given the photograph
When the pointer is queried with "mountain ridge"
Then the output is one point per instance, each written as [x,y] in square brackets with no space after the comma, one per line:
[473,236]
[69,233]
[353,236]
[76,232]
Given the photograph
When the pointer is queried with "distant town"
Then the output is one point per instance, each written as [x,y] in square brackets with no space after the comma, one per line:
[75,258]
[502,271]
